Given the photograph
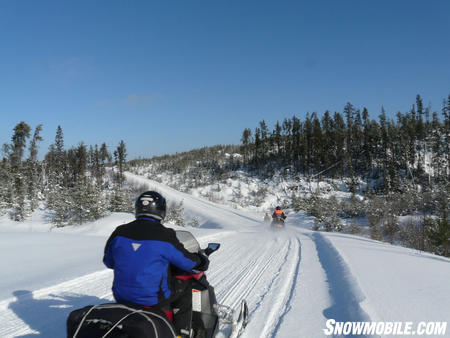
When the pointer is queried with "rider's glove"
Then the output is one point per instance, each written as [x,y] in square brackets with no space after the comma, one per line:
[204,263]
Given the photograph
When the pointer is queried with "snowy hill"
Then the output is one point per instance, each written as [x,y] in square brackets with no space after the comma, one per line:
[293,281]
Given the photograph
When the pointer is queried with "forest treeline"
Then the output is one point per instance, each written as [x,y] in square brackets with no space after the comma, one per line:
[73,184]
[413,145]
[398,165]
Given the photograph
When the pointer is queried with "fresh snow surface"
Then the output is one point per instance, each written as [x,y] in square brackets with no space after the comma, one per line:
[293,280]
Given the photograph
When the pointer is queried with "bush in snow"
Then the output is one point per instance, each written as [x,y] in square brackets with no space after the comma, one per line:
[351,208]
[410,234]
[195,222]
[326,212]
[353,228]
[175,214]
[438,233]
[390,226]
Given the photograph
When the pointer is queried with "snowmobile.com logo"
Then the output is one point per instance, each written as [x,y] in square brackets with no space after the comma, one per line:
[385,328]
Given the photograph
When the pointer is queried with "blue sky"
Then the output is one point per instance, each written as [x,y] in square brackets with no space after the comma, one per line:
[169,76]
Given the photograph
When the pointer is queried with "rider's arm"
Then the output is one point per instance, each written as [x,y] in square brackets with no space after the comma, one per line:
[180,257]
[108,259]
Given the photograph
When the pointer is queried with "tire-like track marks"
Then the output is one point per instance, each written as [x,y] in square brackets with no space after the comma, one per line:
[284,289]
[288,304]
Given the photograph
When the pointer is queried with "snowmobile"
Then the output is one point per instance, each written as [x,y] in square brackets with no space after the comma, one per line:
[127,320]
[277,222]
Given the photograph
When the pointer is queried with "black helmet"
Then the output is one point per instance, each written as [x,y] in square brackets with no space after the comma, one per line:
[151,204]
[278,208]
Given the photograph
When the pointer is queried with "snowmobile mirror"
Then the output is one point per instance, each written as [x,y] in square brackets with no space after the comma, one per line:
[211,248]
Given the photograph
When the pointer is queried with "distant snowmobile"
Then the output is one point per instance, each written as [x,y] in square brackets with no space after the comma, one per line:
[123,320]
[277,223]
[278,218]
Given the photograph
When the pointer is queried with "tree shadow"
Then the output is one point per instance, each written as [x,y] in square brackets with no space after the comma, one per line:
[47,316]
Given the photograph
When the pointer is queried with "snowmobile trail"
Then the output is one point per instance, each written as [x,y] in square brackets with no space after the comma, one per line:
[266,277]
[263,273]
[261,266]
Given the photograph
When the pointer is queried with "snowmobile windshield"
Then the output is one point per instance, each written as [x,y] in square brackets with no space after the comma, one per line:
[188,240]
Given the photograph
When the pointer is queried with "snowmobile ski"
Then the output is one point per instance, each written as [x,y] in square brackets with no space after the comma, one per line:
[237,320]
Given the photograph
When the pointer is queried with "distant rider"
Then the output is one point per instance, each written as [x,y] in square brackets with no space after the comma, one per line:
[141,252]
[278,215]
[266,217]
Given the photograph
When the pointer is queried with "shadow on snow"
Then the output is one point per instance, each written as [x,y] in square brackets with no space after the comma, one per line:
[344,291]
[48,316]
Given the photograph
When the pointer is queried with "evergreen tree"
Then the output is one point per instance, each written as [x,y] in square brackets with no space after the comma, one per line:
[329,147]
[339,140]
[61,205]
[246,139]
[257,149]
[264,139]
[276,135]
[120,155]
[318,144]
[439,234]
[6,184]
[33,169]
[19,139]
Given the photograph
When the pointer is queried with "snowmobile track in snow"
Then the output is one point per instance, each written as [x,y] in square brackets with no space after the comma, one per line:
[286,281]
[343,286]
[287,307]
[267,279]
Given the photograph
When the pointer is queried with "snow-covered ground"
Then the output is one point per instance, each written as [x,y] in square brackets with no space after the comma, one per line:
[293,280]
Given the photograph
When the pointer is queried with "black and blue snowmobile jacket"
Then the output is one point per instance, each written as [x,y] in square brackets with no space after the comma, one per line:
[140,253]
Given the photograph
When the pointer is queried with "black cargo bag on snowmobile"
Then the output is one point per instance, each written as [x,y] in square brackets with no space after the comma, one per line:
[118,320]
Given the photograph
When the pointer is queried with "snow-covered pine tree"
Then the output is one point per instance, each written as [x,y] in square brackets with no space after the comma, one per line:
[6,182]
[34,170]
[120,155]
[120,200]
[438,232]
[61,204]
[19,139]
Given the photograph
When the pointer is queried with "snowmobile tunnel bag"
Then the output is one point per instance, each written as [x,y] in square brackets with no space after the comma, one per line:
[118,320]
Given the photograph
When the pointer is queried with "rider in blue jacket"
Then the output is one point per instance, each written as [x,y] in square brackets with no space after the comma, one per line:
[141,252]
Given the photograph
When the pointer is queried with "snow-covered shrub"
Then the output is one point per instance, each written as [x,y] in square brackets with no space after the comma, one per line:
[353,228]
[390,227]
[175,214]
[195,222]
[352,208]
